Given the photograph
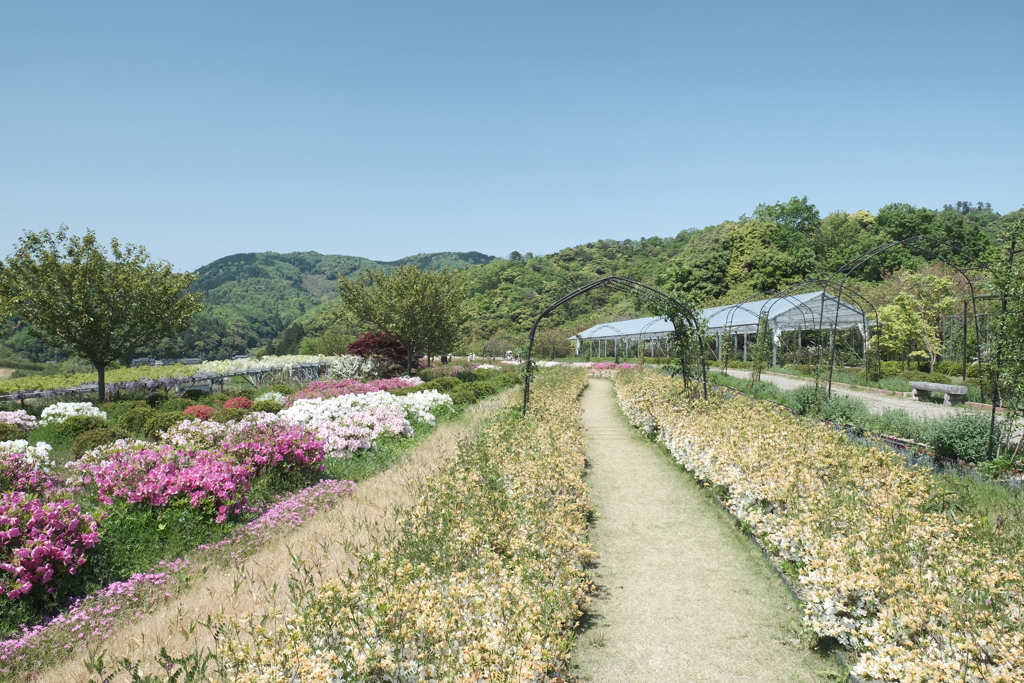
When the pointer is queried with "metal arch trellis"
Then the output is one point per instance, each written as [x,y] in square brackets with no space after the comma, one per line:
[858,298]
[858,262]
[517,343]
[686,315]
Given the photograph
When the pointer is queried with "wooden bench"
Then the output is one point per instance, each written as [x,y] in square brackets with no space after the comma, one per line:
[955,393]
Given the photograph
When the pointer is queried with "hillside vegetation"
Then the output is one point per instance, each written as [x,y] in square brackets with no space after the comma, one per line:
[285,300]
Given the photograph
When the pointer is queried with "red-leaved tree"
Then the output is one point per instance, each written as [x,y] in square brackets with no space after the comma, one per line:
[387,354]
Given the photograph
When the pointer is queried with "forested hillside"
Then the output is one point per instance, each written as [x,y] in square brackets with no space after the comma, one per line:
[284,300]
[252,298]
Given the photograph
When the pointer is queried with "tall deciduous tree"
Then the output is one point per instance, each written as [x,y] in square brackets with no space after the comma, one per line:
[74,296]
[421,309]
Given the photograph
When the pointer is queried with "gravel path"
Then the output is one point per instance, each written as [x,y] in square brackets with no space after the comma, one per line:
[683,595]
[876,403]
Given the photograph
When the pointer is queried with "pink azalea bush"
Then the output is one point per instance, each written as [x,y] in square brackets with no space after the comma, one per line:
[19,473]
[201,412]
[330,389]
[263,440]
[18,418]
[41,539]
[162,474]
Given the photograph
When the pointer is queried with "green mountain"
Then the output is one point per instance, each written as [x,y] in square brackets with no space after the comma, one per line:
[284,301]
[251,299]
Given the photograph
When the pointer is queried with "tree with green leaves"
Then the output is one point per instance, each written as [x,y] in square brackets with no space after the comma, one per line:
[74,296]
[421,309]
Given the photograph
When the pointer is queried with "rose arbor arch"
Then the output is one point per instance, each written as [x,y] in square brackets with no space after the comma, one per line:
[684,318]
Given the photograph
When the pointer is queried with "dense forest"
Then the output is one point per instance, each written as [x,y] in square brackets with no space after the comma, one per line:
[282,302]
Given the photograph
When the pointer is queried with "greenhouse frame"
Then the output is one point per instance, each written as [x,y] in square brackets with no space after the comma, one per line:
[813,312]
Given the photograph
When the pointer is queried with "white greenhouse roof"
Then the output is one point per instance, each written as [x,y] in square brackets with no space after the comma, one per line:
[794,312]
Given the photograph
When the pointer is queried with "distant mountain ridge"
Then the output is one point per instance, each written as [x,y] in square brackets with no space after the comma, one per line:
[251,298]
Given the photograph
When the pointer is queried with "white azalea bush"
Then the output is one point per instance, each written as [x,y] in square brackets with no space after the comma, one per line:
[58,412]
[881,567]
[275,396]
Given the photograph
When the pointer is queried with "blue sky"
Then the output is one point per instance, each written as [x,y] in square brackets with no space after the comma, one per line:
[387,129]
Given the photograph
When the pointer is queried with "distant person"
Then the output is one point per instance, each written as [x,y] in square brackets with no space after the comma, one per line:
[472,357]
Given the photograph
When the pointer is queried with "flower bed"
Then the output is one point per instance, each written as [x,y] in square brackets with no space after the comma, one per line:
[483,580]
[879,564]
[332,388]
[18,418]
[95,618]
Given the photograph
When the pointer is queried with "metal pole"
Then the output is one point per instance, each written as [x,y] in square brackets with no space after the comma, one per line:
[965,343]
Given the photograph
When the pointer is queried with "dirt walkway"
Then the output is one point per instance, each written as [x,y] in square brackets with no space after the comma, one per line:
[876,403]
[684,596]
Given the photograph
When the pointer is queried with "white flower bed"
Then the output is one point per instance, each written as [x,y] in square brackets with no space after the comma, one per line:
[58,412]
[420,405]
[275,396]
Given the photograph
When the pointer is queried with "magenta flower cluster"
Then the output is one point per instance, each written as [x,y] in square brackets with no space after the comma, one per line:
[42,539]
[19,473]
[95,616]
[613,366]
[18,418]
[330,389]
[157,476]
[264,441]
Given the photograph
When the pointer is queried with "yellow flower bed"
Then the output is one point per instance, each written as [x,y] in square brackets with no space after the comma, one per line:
[484,578]
[904,587]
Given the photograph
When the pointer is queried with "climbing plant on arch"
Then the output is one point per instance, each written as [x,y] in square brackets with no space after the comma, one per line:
[690,344]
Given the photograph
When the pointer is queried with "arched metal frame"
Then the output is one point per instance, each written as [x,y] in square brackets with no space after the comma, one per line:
[858,262]
[621,284]
[859,299]
[518,342]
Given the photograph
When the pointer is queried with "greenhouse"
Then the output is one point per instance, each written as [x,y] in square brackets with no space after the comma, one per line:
[795,321]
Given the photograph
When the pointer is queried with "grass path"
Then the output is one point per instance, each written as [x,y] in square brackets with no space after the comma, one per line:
[683,595]
[328,543]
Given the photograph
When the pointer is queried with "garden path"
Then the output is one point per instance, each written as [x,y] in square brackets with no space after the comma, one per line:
[683,595]
[876,403]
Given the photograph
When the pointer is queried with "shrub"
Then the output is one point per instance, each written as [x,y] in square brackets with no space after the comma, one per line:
[429,374]
[266,407]
[844,410]
[194,394]
[230,415]
[159,422]
[88,440]
[19,418]
[963,436]
[116,410]
[59,412]
[9,432]
[155,399]
[162,475]
[77,424]
[174,405]
[444,384]
[894,422]
[135,419]
[802,400]
[22,472]
[241,402]
[200,412]
[42,541]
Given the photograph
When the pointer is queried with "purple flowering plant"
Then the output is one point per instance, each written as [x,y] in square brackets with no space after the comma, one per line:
[41,540]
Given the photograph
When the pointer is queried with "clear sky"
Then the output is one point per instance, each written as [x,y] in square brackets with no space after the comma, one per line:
[385,129]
